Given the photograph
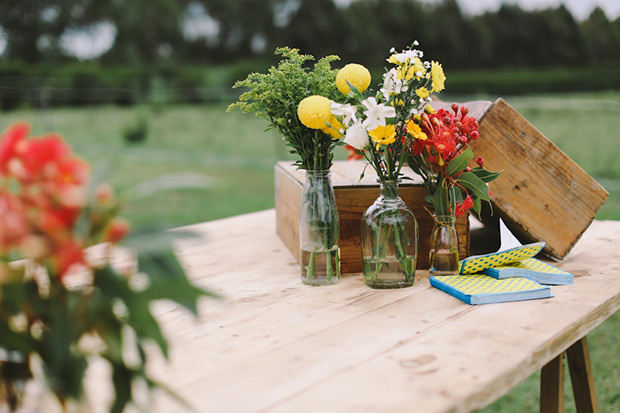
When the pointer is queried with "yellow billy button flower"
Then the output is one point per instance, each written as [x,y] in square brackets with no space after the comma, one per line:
[414,130]
[333,128]
[314,112]
[429,109]
[423,92]
[355,74]
[438,77]
[383,135]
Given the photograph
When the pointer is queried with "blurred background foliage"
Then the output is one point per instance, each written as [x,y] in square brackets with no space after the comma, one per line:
[78,52]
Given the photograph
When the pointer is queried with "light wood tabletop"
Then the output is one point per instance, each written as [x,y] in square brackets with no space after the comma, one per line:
[274,344]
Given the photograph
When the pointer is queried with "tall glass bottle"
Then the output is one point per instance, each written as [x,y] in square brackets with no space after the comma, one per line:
[319,230]
[389,237]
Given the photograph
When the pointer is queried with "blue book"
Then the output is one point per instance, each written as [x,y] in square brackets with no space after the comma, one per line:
[533,269]
[483,289]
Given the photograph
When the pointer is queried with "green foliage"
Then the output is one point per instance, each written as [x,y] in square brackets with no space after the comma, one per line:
[112,305]
[274,96]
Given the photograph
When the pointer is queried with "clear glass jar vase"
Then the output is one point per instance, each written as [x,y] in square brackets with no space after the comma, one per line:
[319,231]
[444,246]
[389,237]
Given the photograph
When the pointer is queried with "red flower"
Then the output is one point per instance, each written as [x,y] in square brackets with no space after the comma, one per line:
[68,254]
[13,224]
[353,153]
[9,144]
[463,207]
[40,156]
[116,231]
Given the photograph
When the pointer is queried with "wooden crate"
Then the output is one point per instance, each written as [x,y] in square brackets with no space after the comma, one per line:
[542,194]
[353,197]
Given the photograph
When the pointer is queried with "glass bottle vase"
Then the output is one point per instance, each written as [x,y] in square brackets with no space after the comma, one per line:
[444,246]
[389,237]
[319,231]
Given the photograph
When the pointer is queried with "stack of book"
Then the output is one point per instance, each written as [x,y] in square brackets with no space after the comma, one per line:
[510,274]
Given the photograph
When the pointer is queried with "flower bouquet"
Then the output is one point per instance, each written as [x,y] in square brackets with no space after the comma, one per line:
[441,155]
[379,129]
[295,100]
[61,302]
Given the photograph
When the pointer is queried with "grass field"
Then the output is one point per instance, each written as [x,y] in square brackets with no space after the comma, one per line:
[235,157]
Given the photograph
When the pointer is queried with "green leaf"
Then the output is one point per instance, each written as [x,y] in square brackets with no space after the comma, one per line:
[459,163]
[154,239]
[121,377]
[484,175]
[168,280]
[171,182]
[477,208]
[139,316]
[440,200]
[471,182]
[452,199]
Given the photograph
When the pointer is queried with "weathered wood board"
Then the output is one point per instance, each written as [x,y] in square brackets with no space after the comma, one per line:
[542,194]
[353,197]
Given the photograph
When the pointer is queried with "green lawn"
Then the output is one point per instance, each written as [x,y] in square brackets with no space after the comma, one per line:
[237,155]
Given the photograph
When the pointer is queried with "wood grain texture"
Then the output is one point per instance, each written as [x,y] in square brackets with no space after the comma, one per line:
[552,386]
[273,344]
[353,197]
[581,374]
[542,194]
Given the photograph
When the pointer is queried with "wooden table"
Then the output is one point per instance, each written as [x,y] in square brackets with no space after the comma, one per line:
[274,344]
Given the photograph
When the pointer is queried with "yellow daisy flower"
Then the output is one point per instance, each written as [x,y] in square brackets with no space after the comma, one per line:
[439,78]
[314,111]
[383,135]
[355,74]
[423,92]
[415,131]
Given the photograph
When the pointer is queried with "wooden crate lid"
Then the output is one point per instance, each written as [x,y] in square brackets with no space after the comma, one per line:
[542,194]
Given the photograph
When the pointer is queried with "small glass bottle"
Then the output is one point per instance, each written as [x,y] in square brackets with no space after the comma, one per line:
[444,246]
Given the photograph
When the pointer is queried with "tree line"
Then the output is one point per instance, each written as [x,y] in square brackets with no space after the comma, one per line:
[227,31]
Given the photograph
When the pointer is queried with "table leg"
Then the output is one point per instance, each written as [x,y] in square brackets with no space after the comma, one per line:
[552,381]
[578,357]
[552,386]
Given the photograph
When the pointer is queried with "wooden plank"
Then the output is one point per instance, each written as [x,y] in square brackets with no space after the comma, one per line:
[353,197]
[542,194]
[582,378]
[274,344]
[552,386]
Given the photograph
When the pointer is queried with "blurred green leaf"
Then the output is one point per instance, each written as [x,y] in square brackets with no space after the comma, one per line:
[169,183]
[169,281]
[155,239]
[121,378]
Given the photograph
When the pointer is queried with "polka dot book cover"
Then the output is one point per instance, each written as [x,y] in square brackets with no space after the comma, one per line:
[483,289]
